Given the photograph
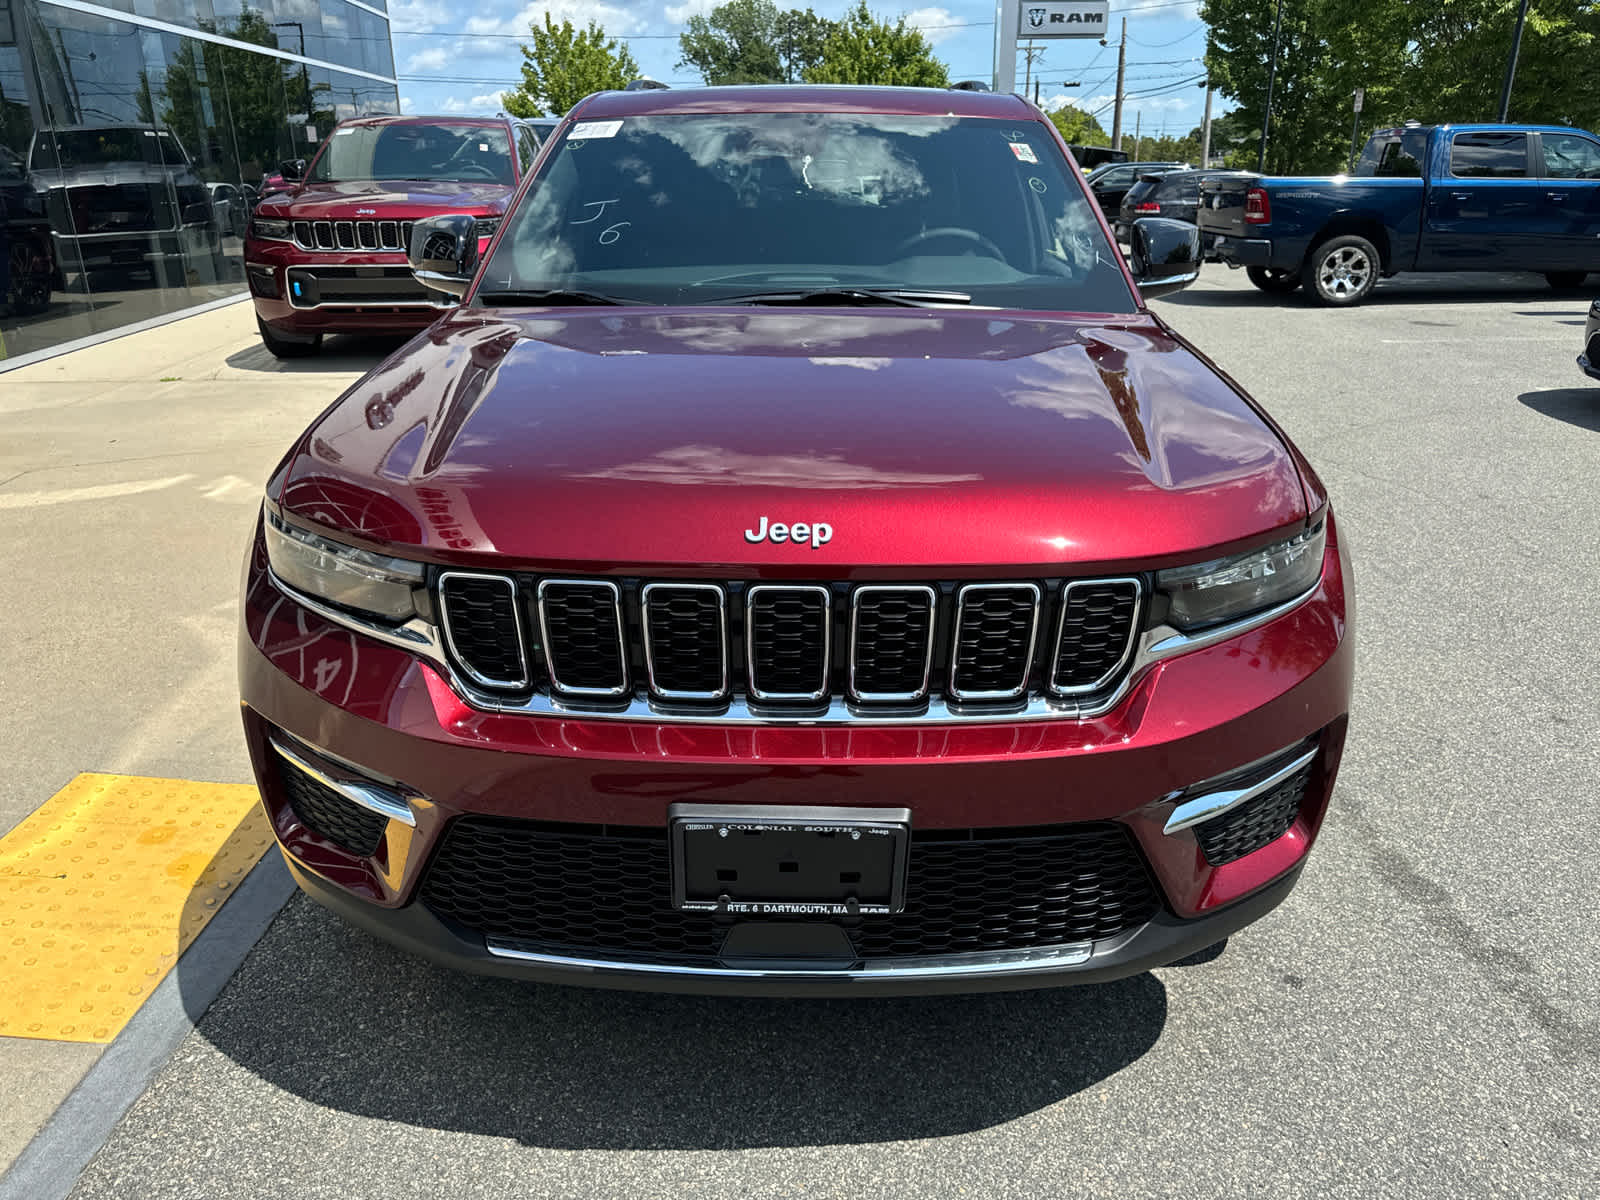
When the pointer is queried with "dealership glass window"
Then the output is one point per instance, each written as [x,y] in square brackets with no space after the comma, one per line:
[1489,155]
[1570,156]
[128,156]
[332,30]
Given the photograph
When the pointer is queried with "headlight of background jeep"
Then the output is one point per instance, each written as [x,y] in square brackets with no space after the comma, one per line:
[1229,588]
[278,231]
[340,574]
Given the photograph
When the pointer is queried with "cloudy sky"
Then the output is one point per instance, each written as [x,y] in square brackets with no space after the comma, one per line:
[458,55]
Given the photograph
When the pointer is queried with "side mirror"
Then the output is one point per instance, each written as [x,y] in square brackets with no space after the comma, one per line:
[1166,255]
[444,252]
[293,170]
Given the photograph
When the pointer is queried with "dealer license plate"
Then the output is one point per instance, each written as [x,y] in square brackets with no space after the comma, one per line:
[754,861]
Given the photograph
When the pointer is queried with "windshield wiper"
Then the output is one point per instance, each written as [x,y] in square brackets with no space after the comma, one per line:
[560,297]
[851,296]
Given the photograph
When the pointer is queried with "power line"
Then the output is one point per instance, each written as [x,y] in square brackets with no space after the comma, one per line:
[643,37]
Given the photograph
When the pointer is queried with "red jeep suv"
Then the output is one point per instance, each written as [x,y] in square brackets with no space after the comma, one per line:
[802,564]
[329,254]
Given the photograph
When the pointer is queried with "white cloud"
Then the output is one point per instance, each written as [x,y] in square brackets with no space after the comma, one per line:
[430,59]
[453,104]
[937,24]
[418,14]
[493,102]
[677,14]
[407,104]
[614,18]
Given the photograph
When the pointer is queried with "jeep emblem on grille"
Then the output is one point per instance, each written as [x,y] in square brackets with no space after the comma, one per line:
[818,533]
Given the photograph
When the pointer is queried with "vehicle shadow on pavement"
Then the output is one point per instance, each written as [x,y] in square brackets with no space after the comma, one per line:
[341,354]
[1406,289]
[341,1020]
[1575,406]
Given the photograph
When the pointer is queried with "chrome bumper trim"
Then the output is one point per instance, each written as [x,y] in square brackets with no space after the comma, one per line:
[948,966]
[1213,804]
[373,799]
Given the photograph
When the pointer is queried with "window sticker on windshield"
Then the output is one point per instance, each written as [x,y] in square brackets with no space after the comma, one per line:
[484,146]
[594,129]
[1024,152]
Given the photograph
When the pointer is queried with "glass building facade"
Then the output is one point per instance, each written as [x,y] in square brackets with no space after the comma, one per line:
[136,135]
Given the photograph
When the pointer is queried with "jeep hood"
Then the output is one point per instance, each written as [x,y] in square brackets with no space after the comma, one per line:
[607,439]
[391,198]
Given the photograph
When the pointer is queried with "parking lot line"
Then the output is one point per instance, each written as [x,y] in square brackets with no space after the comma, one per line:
[104,887]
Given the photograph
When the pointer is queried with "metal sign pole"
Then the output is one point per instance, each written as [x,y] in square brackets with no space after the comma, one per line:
[1007,22]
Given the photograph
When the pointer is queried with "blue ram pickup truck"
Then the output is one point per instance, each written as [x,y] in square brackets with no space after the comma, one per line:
[1423,198]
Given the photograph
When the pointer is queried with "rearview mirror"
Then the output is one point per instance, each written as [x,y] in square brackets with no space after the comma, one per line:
[444,252]
[293,170]
[1166,255]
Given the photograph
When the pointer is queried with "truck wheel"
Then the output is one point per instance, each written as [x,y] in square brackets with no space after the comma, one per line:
[1565,281]
[287,345]
[1273,280]
[1342,270]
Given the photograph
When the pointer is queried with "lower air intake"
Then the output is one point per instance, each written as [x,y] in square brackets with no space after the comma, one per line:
[1256,823]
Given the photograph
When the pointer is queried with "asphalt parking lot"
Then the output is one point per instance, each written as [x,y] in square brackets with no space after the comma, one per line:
[1417,1020]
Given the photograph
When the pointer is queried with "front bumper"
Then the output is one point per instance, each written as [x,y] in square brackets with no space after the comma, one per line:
[305,292]
[376,713]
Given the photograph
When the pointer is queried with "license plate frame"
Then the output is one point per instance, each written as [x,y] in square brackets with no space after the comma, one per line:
[824,844]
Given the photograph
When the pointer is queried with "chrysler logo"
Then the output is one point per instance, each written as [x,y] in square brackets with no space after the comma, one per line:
[818,533]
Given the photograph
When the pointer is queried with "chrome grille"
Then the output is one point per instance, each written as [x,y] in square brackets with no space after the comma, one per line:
[995,628]
[363,235]
[1096,633]
[972,647]
[480,623]
[581,622]
[891,642]
[686,640]
[788,635]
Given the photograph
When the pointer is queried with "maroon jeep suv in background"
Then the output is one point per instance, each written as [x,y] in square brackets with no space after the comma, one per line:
[802,564]
[329,254]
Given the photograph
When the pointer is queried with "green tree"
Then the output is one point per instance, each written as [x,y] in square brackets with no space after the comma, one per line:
[748,41]
[802,38]
[864,49]
[1079,128]
[564,65]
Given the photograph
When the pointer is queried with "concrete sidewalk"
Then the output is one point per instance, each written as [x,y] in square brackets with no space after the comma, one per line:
[130,475]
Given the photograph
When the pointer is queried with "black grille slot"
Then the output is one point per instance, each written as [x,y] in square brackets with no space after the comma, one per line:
[787,635]
[1255,823]
[367,234]
[891,636]
[480,619]
[602,891]
[389,235]
[303,234]
[405,235]
[344,232]
[329,815]
[994,640]
[1097,624]
[686,641]
[324,232]
[582,625]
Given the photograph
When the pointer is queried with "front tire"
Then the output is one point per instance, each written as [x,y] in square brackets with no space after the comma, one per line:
[1565,281]
[287,346]
[1272,280]
[1342,271]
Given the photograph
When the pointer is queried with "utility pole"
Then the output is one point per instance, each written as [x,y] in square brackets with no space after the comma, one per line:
[1511,64]
[1138,123]
[1272,74]
[1122,66]
[1205,130]
[1355,129]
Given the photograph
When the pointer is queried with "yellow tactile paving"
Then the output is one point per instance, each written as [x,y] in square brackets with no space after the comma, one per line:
[102,889]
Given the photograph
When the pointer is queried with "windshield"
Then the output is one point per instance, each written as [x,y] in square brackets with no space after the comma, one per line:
[702,207]
[454,152]
[119,144]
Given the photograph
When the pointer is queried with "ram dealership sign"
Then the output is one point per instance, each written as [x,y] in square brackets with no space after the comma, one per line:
[1063,19]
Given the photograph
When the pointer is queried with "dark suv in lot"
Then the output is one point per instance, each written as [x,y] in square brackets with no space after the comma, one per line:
[802,564]
[329,254]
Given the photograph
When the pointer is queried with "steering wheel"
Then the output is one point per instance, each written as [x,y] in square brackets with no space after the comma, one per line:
[950,231]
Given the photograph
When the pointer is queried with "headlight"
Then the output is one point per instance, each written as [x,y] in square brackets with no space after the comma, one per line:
[277,231]
[1229,588]
[340,574]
